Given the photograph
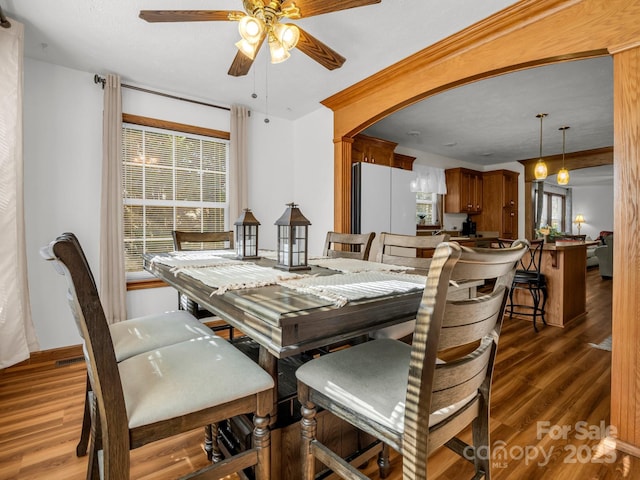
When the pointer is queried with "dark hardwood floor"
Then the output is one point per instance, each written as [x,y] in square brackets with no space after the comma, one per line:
[550,390]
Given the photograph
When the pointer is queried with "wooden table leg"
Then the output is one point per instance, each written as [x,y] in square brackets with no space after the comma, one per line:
[270,364]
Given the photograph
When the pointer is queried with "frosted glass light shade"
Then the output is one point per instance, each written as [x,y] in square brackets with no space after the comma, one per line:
[540,172]
[563,176]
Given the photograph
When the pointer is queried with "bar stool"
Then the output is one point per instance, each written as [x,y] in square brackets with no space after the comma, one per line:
[528,277]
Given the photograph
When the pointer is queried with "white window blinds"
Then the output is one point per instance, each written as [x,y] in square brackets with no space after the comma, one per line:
[171,181]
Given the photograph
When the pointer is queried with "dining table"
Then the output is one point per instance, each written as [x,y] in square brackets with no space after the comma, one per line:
[287,314]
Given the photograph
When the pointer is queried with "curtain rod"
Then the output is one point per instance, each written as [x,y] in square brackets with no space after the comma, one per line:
[98,79]
[3,20]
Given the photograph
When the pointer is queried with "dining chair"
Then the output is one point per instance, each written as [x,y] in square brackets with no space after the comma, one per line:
[348,245]
[413,251]
[416,398]
[529,277]
[163,392]
[187,241]
[139,335]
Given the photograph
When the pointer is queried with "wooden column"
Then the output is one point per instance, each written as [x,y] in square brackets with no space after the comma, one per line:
[625,361]
[342,185]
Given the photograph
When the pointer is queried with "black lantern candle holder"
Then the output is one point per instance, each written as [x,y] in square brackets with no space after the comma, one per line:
[293,230]
[247,236]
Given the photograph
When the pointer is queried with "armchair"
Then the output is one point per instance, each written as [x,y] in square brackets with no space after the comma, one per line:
[605,257]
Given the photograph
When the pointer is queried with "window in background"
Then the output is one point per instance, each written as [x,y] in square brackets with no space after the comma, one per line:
[171,181]
[553,211]
[428,209]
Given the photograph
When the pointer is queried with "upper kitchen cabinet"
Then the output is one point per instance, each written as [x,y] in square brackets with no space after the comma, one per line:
[381,152]
[500,212]
[404,162]
[372,150]
[464,191]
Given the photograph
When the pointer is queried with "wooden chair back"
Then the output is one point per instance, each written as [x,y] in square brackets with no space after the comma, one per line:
[102,366]
[462,332]
[408,250]
[348,245]
[202,240]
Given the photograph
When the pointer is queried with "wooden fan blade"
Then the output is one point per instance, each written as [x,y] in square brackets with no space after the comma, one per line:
[309,8]
[188,15]
[314,48]
[241,63]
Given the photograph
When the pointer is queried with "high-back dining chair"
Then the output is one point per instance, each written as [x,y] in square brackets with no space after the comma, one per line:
[413,251]
[164,392]
[529,277]
[418,397]
[139,335]
[187,241]
[409,251]
[348,245]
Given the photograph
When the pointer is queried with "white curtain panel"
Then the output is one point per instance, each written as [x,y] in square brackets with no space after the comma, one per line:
[113,284]
[429,180]
[238,197]
[17,335]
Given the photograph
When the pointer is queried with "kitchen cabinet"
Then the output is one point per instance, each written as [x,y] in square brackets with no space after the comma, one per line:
[405,162]
[368,149]
[372,150]
[464,191]
[500,203]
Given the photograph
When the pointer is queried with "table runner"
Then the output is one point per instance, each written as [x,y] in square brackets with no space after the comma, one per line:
[349,287]
[236,276]
[195,259]
[354,265]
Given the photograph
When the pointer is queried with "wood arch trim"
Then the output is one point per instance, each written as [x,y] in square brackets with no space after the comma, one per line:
[530,33]
[527,34]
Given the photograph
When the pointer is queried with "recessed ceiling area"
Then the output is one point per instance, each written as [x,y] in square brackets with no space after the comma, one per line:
[494,120]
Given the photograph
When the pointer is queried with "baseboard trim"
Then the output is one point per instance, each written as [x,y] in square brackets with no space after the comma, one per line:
[52,356]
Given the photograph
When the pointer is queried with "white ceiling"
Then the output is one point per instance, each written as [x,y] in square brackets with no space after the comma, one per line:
[489,122]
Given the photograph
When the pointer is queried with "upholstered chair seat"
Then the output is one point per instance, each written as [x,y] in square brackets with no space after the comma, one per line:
[380,397]
[144,334]
[176,380]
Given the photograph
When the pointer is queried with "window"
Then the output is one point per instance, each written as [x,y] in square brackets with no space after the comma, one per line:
[427,209]
[171,181]
[553,211]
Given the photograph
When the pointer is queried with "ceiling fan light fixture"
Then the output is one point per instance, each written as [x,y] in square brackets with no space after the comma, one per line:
[288,34]
[278,52]
[251,29]
[249,49]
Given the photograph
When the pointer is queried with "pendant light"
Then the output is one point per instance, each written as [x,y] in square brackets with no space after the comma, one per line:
[540,172]
[563,174]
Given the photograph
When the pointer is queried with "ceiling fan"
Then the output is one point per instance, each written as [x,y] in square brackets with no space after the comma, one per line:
[262,20]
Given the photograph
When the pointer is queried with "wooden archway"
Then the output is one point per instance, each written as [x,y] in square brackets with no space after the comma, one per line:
[532,33]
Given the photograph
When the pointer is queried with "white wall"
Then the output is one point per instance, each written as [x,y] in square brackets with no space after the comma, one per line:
[63,156]
[596,204]
[313,173]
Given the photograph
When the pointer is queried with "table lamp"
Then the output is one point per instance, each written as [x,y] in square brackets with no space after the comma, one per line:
[579,220]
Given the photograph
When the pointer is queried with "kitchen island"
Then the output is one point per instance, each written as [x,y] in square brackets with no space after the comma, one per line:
[565,269]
